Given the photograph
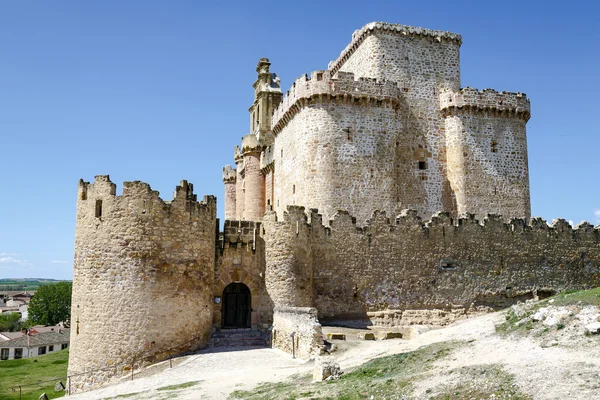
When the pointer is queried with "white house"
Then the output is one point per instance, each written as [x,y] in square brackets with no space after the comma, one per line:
[34,345]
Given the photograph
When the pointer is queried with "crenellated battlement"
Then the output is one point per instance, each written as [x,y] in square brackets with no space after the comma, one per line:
[250,143]
[229,174]
[488,100]
[322,88]
[240,233]
[138,198]
[409,219]
[440,263]
[403,30]
[267,159]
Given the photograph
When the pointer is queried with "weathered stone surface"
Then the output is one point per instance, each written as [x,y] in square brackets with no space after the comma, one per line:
[326,370]
[296,330]
[389,335]
[147,261]
[593,328]
[336,336]
[366,336]
[387,128]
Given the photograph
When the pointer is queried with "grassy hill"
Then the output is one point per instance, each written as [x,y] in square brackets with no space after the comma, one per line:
[36,375]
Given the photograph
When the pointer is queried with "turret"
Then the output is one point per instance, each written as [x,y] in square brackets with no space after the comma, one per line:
[486,154]
[250,197]
[133,252]
[267,96]
[229,180]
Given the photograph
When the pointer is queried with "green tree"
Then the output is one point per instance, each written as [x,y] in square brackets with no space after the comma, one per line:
[10,322]
[51,304]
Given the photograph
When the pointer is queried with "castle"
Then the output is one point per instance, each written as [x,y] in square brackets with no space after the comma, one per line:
[333,213]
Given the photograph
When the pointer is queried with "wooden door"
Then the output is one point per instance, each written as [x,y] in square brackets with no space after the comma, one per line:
[236,306]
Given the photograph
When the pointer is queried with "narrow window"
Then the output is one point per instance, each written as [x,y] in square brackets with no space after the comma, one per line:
[494,146]
[83,195]
[348,134]
[4,354]
[64,346]
[293,189]
[281,153]
[98,208]
[422,165]
[51,348]
[320,76]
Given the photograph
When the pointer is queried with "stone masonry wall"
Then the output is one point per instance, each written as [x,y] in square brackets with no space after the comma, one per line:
[439,264]
[241,259]
[143,273]
[288,274]
[338,156]
[229,178]
[422,63]
[296,330]
[487,151]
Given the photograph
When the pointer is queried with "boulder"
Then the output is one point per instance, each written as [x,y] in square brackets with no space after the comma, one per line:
[593,328]
[326,370]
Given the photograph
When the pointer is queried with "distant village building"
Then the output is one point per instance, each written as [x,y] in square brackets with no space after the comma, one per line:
[40,340]
[16,302]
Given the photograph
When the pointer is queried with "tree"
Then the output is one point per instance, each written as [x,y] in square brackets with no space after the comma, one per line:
[51,304]
[10,322]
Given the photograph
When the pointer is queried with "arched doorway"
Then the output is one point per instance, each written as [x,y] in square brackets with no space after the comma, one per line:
[236,308]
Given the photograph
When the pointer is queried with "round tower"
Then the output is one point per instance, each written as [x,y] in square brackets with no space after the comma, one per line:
[143,272]
[240,190]
[288,273]
[254,180]
[486,143]
[229,179]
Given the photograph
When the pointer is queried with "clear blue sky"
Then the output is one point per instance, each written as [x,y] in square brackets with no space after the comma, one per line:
[159,90]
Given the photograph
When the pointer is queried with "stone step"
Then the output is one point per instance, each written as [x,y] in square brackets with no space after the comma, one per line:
[237,338]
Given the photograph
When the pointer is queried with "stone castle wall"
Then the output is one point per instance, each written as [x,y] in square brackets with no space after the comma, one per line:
[142,278]
[422,63]
[297,331]
[338,154]
[487,151]
[438,264]
[241,259]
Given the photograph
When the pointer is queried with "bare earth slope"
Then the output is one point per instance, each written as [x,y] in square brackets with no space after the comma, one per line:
[541,352]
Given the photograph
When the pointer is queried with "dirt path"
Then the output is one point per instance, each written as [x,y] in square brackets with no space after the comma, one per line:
[543,373]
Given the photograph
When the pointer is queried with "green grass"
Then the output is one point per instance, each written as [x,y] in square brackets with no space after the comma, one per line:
[29,371]
[481,382]
[568,298]
[386,377]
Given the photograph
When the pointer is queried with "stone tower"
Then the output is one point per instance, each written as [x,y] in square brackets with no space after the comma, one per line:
[385,127]
[253,184]
[143,276]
